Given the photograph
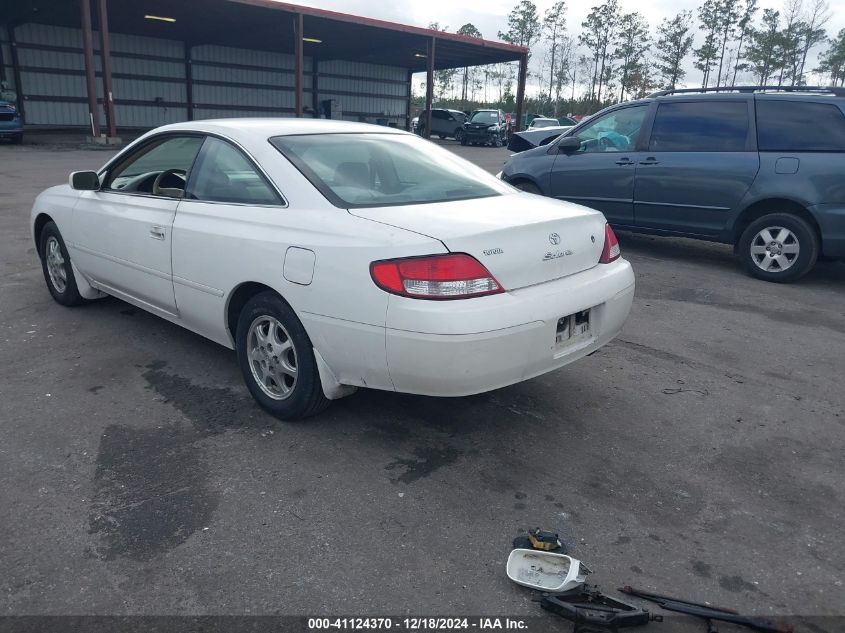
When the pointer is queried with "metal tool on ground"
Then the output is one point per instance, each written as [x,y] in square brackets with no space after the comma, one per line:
[591,610]
[707,612]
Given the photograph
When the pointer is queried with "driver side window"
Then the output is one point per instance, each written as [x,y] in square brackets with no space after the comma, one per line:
[139,171]
[613,132]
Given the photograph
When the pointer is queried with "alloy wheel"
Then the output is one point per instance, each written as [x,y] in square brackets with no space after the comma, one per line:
[272,357]
[56,265]
[775,249]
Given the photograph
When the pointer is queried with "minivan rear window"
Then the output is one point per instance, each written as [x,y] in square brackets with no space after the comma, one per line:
[799,126]
[700,126]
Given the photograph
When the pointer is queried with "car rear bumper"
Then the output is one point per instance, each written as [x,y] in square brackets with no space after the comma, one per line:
[459,348]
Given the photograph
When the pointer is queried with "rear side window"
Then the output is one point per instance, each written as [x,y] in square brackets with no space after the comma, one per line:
[223,174]
[799,126]
[700,126]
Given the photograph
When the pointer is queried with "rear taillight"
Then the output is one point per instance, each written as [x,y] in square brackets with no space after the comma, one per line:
[611,250]
[453,276]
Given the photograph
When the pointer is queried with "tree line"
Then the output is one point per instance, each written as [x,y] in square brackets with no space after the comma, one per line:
[617,56]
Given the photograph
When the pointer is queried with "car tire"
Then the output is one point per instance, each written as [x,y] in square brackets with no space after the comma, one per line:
[497,142]
[463,141]
[277,360]
[528,187]
[17,140]
[442,137]
[459,135]
[55,264]
[779,247]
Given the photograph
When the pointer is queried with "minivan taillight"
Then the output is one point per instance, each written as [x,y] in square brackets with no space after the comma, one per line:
[452,276]
[611,250]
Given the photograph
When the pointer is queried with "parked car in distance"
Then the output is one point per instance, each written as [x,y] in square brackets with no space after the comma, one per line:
[539,122]
[334,255]
[760,168]
[486,127]
[534,137]
[11,122]
[444,123]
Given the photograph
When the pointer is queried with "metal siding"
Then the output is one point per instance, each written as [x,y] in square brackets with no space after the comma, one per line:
[360,69]
[211,113]
[368,83]
[240,75]
[246,57]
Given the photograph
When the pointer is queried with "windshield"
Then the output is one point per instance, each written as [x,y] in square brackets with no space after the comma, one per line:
[544,123]
[485,116]
[376,170]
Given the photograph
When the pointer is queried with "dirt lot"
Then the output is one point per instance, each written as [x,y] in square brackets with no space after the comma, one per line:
[699,454]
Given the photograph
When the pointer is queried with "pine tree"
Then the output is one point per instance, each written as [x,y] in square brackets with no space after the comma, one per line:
[674,42]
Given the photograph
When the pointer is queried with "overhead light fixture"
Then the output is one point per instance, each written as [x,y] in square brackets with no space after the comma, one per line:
[313,40]
[159,18]
[419,55]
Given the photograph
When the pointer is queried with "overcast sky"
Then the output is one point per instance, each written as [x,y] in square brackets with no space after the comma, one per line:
[490,16]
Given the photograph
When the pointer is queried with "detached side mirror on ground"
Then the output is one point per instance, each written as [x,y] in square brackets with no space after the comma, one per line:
[84,181]
[569,144]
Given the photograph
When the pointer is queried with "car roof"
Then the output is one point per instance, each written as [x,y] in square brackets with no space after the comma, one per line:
[264,128]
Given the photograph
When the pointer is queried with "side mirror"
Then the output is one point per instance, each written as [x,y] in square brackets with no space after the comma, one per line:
[569,144]
[84,181]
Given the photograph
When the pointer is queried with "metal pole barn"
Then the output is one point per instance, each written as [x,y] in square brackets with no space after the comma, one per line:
[429,84]
[520,91]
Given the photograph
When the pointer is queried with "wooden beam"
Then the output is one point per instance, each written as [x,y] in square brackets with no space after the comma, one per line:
[105,61]
[90,72]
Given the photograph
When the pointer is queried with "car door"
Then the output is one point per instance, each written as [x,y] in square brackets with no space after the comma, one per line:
[600,174]
[229,204]
[121,233]
[700,161]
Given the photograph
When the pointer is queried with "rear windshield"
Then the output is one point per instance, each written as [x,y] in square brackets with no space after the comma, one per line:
[376,170]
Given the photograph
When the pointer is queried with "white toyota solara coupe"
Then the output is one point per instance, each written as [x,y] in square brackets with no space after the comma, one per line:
[336,255]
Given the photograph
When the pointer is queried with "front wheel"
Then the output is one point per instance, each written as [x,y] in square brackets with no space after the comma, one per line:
[277,360]
[55,264]
[497,142]
[779,247]
[459,135]
[528,187]
[17,140]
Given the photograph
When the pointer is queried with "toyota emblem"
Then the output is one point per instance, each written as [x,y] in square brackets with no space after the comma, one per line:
[554,238]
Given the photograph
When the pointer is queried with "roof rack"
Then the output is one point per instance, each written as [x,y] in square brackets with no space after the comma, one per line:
[838,92]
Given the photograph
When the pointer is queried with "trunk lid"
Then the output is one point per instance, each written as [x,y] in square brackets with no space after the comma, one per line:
[522,239]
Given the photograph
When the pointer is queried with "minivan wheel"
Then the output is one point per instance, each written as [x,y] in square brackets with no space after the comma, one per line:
[779,247]
[459,135]
[277,360]
[55,264]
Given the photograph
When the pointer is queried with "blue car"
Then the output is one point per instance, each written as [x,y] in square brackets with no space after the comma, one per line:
[761,168]
[11,122]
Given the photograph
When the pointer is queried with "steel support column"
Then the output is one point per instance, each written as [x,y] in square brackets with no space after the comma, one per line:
[90,71]
[16,70]
[298,33]
[410,76]
[520,91]
[105,61]
[189,82]
[429,84]
[315,87]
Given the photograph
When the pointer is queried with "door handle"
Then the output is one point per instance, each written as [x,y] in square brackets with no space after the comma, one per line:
[624,161]
[651,160]
[157,232]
